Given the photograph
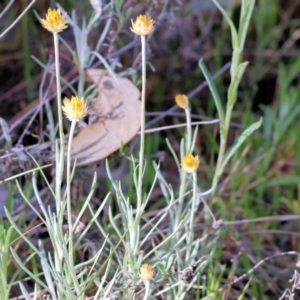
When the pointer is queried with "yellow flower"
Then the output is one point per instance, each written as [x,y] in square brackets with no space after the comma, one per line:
[146,272]
[190,163]
[182,101]
[143,25]
[55,21]
[74,109]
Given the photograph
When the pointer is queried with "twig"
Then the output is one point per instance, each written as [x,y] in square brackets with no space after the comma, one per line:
[263,219]
[33,295]
[6,8]
[255,220]
[191,94]
[17,19]
[253,269]
[259,264]
[180,125]
[272,231]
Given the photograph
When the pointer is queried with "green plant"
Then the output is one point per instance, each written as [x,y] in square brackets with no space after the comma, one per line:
[171,246]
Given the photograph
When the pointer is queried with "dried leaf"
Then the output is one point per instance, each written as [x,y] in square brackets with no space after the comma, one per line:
[119,110]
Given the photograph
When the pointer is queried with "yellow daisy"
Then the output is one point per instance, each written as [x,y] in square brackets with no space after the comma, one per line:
[182,101]
[146,272]
[143,25]
[55,21]
[74,109]
[190,163]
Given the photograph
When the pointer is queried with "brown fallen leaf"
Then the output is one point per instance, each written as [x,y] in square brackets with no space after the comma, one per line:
[119,108]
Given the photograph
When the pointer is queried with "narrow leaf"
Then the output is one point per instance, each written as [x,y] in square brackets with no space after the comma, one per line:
[234,35]
[286,180]
[240,141]
[213,90]
[246,13]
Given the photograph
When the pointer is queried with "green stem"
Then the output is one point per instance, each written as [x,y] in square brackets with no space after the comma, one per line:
[188,130]
[223,141]
[142,142]
[147,289]
[224,126]
[182,189]
[60,163]
[194,200]
[69,207]
[81,81]
[188,149]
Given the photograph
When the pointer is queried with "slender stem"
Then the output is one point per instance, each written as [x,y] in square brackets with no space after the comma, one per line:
[142,140]
[188,130]
[147,289]
[223,141]
[81,81]
[82,64]
[60,163]
[188,149]
[60,148]
[194,200]
[182,189]
[69,208]
[224,126]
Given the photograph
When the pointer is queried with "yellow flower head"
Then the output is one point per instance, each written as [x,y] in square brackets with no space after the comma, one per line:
[143,25]
[146,272]
[190,163]
[74,109]
[182,101]
[55,21]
